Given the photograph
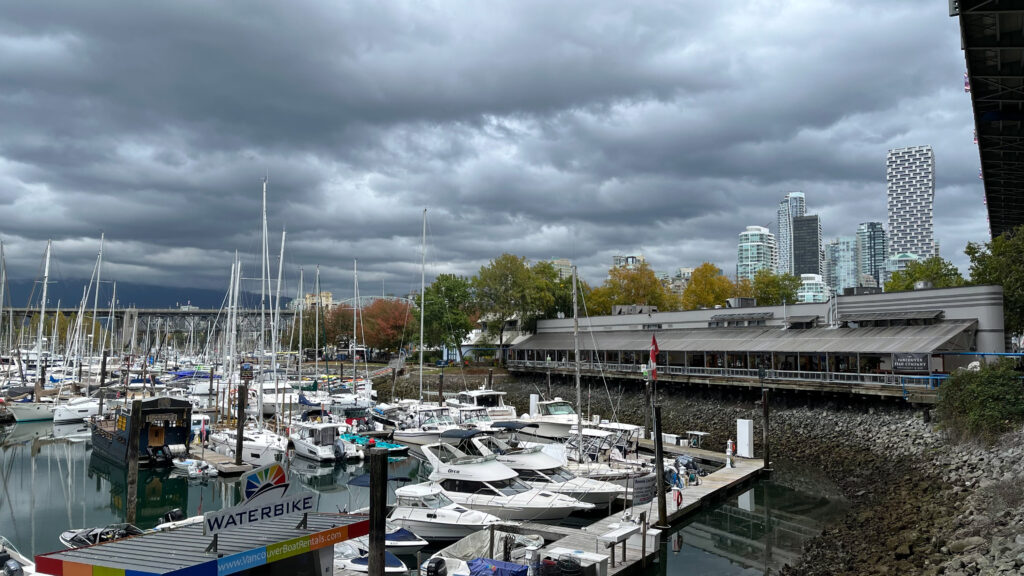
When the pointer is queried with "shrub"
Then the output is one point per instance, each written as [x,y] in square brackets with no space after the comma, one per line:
[982,404]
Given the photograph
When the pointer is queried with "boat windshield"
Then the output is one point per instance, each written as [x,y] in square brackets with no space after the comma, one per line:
[437,418]
[437,500]
[488,400]
[325,436]
[509,487]
[559,474]
[559,409]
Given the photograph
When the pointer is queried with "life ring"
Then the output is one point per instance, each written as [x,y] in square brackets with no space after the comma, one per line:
[679,497]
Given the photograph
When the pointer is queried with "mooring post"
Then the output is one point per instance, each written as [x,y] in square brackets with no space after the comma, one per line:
[647,406]
[490,378]
[243,393]
[767,453]
[490,544]
[134,430]
[549,384]
[659,469]
[378,509]
[103,369]
[440,388]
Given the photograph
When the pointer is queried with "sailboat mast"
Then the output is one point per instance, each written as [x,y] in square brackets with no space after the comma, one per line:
[355,314]
[264,270]
[96,297]
[316,332]
[3,284]
[112,323]
[423,302]
[42,309]
[302,305]
[274,323]
[576,359]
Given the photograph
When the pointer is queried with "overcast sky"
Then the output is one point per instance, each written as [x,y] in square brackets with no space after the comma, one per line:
[545,129]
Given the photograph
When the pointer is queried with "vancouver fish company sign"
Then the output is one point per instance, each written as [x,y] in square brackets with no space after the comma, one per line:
[266,498]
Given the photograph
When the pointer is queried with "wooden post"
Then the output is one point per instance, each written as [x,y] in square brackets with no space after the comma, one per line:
[440,388]
[767,453]
[549,385]
[647,406]
[103,370]
[490,378]
[378,509]
[243,394]
[490,545]
[134,430]
[659,468]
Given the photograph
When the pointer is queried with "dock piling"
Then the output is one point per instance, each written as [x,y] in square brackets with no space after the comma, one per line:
[378,509]
[659,468]
[243,394]
[134,429]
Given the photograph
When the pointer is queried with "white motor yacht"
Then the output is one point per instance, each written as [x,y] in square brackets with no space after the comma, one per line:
[425,510]
[30,411]
[490,400]
[322,441]
[539,470]
[554,419]
[259,445]
[424,425]
[397,540]
[596,458]
[482,483]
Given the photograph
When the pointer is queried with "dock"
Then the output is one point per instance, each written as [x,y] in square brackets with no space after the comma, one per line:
[630,549]
[225,465]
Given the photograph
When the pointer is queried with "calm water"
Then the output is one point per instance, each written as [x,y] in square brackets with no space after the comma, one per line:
[51,482]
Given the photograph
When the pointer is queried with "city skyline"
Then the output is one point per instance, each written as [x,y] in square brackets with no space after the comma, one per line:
[580,138]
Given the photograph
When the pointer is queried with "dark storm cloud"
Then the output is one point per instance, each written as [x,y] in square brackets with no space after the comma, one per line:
[568,129]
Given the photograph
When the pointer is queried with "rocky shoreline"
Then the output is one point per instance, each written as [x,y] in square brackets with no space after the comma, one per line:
[920,504]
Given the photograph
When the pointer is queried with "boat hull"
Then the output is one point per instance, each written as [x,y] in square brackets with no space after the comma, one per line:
[30,411]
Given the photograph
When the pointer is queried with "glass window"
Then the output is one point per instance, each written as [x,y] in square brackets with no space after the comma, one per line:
[560,409]
[509,487]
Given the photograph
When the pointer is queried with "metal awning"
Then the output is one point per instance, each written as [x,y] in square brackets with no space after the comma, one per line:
[801,319]
[875,316]
[747,316]
[182,552]
[881,340]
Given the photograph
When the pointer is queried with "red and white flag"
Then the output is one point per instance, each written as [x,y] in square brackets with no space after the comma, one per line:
[654,357]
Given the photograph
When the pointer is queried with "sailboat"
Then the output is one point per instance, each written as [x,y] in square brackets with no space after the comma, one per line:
[27,411]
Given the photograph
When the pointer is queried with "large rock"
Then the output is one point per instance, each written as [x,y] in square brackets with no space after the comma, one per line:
[965,544]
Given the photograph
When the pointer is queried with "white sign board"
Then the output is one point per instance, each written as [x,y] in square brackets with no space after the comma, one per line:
[745,438]
[645,488]
[266,497]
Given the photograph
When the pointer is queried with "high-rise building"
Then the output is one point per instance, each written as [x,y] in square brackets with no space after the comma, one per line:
[910,186]
[841,264]
[793,205]
[627,262]
[872,251]
[898,263]
[812,289]
[755,251]
[563,266]
[808,252]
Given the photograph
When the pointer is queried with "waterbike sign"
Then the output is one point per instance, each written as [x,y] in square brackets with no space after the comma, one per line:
[266,498]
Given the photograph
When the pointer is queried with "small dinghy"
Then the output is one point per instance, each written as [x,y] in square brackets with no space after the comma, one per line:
[351,557]
[91,536]
[194,468]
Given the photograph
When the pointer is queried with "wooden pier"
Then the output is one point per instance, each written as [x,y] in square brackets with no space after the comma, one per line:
[630,550]
[225,465]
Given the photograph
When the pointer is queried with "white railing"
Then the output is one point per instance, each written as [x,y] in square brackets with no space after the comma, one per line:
[746,373]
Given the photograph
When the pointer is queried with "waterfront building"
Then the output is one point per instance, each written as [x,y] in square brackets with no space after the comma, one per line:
[325,299]
[841,263]
[808,252]
[910,189]
[756,251]
[872,250]
[812,289]
[793,205]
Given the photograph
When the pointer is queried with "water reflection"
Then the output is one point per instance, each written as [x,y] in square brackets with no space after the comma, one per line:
[757,532]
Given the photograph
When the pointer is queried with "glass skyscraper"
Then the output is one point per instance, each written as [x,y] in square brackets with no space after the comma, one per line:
[756,251]
[841,264]
[872,251]
[793,205]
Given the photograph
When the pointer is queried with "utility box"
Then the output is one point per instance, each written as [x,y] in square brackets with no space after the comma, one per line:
[745,438]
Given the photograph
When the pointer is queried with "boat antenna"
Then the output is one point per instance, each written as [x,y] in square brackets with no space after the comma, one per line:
[576,363]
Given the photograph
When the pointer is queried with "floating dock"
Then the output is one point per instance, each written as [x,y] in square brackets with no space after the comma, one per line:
[622,540]
[225,465]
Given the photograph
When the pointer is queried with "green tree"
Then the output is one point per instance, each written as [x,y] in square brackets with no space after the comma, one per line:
[773,289]
[1001,262]
[708,288]
[631,286]
[447,316]
[505,290]
[982,404]
[941,273]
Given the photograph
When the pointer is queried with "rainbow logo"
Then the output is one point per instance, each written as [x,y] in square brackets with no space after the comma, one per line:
[262,480]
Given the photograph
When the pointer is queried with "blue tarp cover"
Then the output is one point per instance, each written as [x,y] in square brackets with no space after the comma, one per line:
[485,567]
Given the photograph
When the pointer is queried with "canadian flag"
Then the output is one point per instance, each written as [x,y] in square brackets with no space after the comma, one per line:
[654,357]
